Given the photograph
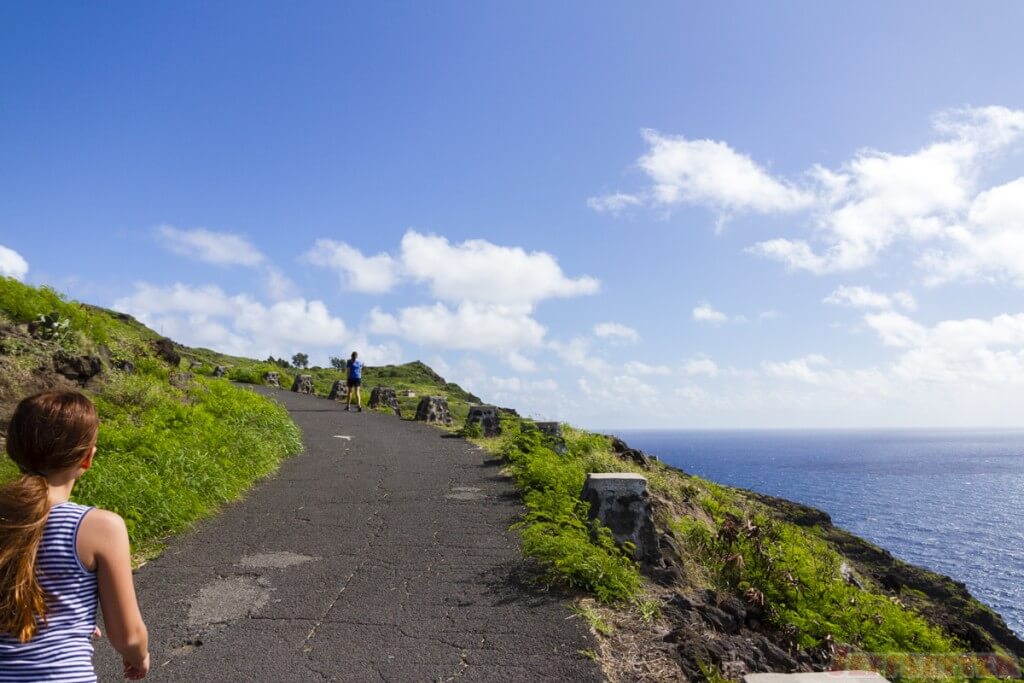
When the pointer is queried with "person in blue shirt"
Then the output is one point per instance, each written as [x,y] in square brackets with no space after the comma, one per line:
[355,379]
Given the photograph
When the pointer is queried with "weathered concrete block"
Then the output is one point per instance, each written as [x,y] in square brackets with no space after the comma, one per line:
[220,371]
[433,409]
[272,379]
[553,432]
[620,501]
[339,390]
[486,417]
[385,397]
[303,384]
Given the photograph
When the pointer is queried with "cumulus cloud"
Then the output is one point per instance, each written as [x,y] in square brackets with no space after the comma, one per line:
[708,172]
[369,274]
[577,353]
[966,351]
[12,264]
[482,272]
[616,332]
[700,366]
[706,313]
[929,195]
[865,297]
[237,324]
[519,362]
[221,248]
[467,326]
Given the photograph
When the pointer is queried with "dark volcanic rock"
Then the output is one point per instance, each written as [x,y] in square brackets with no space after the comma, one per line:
[303,384]
[339,390]
[385,397]
[622,449]
[433,409]
[621,502]
[220,371]
[553,434]
[164,349]
[125,366]
[487,418]
[78,368]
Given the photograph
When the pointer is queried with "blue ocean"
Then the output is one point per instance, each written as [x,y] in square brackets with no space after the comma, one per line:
[950,501]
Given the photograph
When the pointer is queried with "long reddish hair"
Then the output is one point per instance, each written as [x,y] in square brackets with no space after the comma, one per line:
[49,432]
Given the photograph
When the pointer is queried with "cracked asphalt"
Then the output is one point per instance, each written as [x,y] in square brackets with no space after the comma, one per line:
[382,557]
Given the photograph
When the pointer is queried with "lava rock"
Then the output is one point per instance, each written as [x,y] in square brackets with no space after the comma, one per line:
[78,368]
[125,366]
[385,397]
[487,418]
[220,371]
[164,349]
[620,501]
[303,384]
[433,409]
[622,449]
[339,390]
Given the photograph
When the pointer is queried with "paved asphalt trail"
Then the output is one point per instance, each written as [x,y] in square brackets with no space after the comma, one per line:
[382,557]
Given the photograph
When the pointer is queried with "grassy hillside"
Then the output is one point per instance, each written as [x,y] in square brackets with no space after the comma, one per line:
[415,377]
[751,576]
[172,448]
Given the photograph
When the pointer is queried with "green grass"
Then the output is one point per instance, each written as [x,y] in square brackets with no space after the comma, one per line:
[570,549]
[165,457]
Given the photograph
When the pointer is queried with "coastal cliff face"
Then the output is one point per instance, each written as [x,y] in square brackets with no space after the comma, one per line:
[744,583]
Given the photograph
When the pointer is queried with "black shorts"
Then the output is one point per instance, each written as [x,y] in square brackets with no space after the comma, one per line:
[354,382]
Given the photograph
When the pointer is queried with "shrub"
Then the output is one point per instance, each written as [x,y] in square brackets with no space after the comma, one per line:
[571,549]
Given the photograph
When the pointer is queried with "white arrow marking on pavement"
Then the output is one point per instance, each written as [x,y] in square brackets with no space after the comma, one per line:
[339,436]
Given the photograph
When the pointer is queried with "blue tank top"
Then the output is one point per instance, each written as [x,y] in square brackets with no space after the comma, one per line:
[61,649]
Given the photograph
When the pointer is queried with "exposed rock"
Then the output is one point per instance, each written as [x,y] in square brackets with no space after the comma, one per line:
[339,390]
[220,371]
[622,449]
[125,366]
[78,368]
[180,380]
[433,409]
[385,397]
[272,379]
[487,418]
[553,432]
[195,365]
[164,349]
[620,501]
[303,384]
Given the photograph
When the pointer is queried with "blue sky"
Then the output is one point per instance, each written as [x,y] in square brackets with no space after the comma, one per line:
[794,214]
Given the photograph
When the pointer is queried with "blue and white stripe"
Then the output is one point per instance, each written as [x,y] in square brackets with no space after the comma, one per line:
[61,650]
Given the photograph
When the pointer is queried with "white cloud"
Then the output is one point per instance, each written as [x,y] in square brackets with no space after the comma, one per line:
[469,326]
[964,351]
[616,332]
[613,203]
[12,264]
[705,172]
[369,274]
[236,324]
[482,272]
[278,285]
[706,313]
[700,366]
[988,244]
[519,362]
[865,297]
[806,369]
[637,368]
[221,248]
[930,195]
[577,353]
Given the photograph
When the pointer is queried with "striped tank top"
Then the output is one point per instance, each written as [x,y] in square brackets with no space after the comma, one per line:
[61,649]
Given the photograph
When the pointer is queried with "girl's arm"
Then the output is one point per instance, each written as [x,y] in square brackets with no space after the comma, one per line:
[103,546]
